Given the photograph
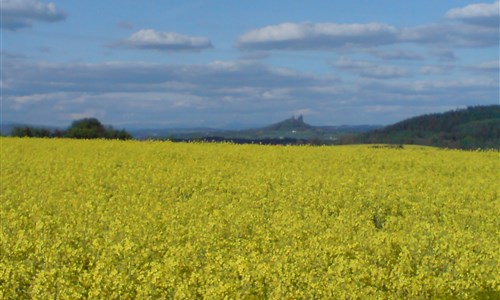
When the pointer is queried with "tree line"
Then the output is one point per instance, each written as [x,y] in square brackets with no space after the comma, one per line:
[88,128]
[470,128]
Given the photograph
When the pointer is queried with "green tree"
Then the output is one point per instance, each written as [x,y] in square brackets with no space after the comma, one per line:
[88,128]
[27,131]
[112,133]
[91,128]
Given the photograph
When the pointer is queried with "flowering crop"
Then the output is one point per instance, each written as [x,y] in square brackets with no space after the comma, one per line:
[133,220]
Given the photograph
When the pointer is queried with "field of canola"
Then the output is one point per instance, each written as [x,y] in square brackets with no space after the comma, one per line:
[136,220]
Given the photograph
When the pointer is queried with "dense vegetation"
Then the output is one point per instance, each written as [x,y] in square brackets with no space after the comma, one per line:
[104,219]
[470,128]
[89,128]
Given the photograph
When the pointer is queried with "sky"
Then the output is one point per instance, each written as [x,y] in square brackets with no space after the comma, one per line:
[236,64]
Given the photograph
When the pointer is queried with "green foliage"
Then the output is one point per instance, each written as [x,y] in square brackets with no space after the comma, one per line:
[470,128]
[28,131]
[112,133]
[89,128]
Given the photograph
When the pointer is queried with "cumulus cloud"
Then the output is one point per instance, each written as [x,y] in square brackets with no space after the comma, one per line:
[450,90]
[229,91]
[150,39]
[368,69]
[477,26]
[154,92]
[451,35]
[18,14]
[317,36]
[217,79]
[484,14]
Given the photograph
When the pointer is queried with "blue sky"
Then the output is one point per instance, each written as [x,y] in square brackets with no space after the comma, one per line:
[245,63]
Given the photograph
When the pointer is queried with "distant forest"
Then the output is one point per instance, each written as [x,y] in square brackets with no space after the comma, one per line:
[89,128]
[470,128]
[475,127]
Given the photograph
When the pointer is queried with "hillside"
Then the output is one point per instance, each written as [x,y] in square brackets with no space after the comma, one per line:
[292,124]
[294,127]
[289,131]
[470,128]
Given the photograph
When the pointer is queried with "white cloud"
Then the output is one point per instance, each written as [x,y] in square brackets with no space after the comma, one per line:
[88,113]
[449,88]
[369,69]
[397,54]
[18,14]
[451,35]
[276,94]
[22,100]
[27,77]
[486,14]
[492,66]
[151,39]
[429,69]
[335,36]
[455,85]
[317,36]
[224,91]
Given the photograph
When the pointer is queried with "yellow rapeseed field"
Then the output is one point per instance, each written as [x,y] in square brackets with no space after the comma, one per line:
[137,220]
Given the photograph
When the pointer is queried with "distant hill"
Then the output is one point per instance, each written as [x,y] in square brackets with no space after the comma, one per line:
[155,133]
[292,124]
[297,128]
[294,127]
[470,128]
[287,131]
[290,129]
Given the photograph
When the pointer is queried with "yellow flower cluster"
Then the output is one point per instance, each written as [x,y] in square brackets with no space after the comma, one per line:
[135,220]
